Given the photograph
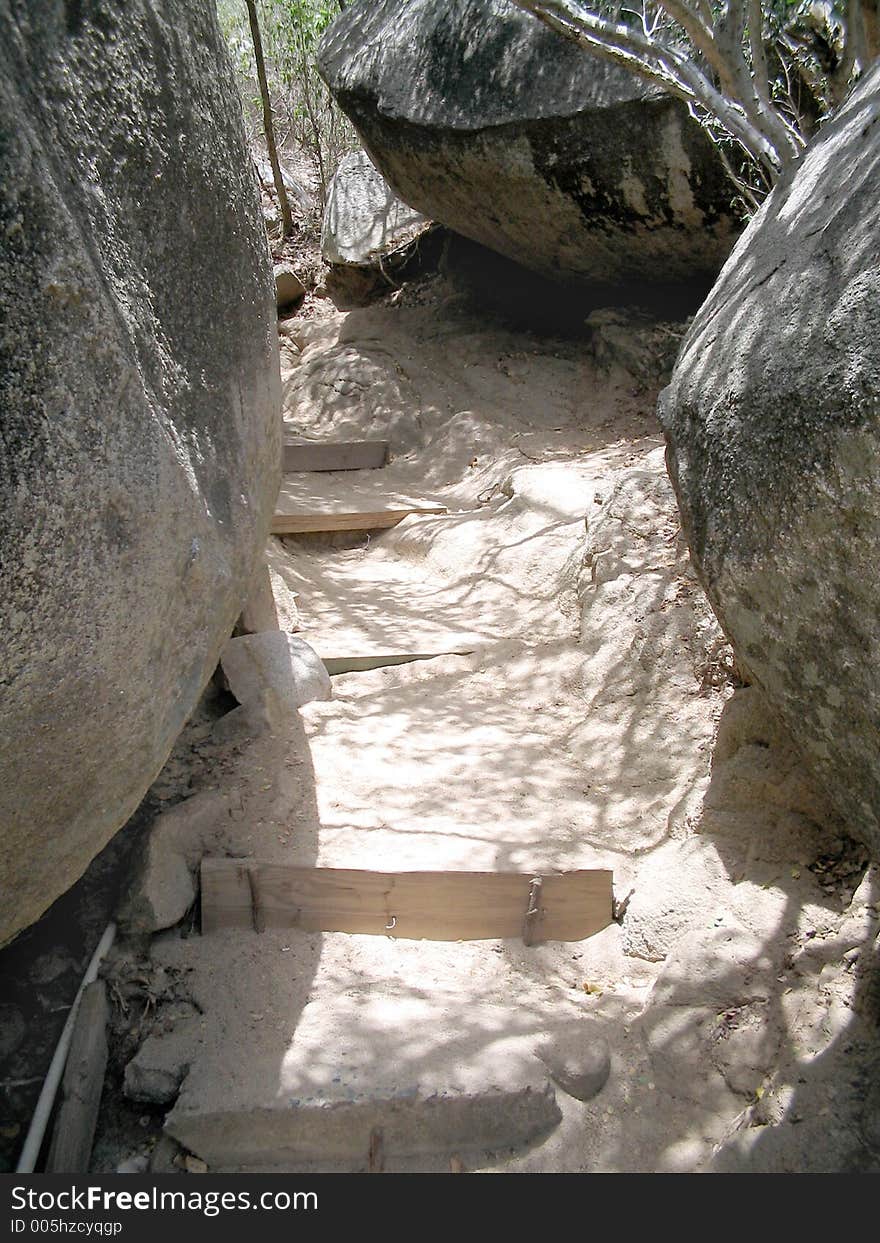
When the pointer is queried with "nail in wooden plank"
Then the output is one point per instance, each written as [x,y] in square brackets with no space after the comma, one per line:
[376,1159]
[533,912]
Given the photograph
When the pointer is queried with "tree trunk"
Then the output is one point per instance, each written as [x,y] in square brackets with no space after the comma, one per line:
[871,21]
[268,127]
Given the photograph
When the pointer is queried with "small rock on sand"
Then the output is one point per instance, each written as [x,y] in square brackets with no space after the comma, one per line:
[579,1061]
[276,662]
[289,289]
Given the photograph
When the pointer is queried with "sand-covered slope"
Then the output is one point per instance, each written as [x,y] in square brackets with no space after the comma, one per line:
[590,719]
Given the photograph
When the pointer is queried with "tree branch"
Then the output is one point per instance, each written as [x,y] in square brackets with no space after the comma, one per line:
[657,61]
[269,128]
[759,56]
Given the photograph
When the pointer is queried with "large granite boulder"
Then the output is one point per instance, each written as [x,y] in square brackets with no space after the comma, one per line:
[140,426]
[485,120]
[369,237]
[773,427]
[365,223]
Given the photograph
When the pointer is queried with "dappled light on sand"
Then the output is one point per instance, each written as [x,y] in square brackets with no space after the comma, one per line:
[575,709]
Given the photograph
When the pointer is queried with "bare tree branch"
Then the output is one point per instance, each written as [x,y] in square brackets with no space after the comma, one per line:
[745,68]
[756,48]
[762,134]
[268,126]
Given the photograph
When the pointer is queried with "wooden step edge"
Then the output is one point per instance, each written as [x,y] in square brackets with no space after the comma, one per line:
[300,456]
[349,520]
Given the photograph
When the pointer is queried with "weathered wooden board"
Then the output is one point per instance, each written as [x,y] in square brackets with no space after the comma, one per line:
[439,906]
[81,1088]
[309,503]
[349,520]
[322,455]
[382,660]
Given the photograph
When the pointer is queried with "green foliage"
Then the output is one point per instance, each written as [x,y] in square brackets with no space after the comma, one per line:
[306,117]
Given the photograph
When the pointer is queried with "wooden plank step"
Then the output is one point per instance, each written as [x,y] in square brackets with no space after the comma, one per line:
[381,660]
[337,505]
[439,906]
[349,520]
[327,455]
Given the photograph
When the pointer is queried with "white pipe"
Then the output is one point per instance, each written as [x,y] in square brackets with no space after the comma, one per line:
[34,1141]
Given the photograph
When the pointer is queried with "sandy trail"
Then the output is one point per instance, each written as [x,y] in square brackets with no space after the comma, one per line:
[581,730]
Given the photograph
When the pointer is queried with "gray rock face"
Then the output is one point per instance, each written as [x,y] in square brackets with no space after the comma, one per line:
[276,663]
[773,427]
[364,220]
[289,289]
[483,119]
[580,1061]
[140,434]
[155,1073]
[162,892]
